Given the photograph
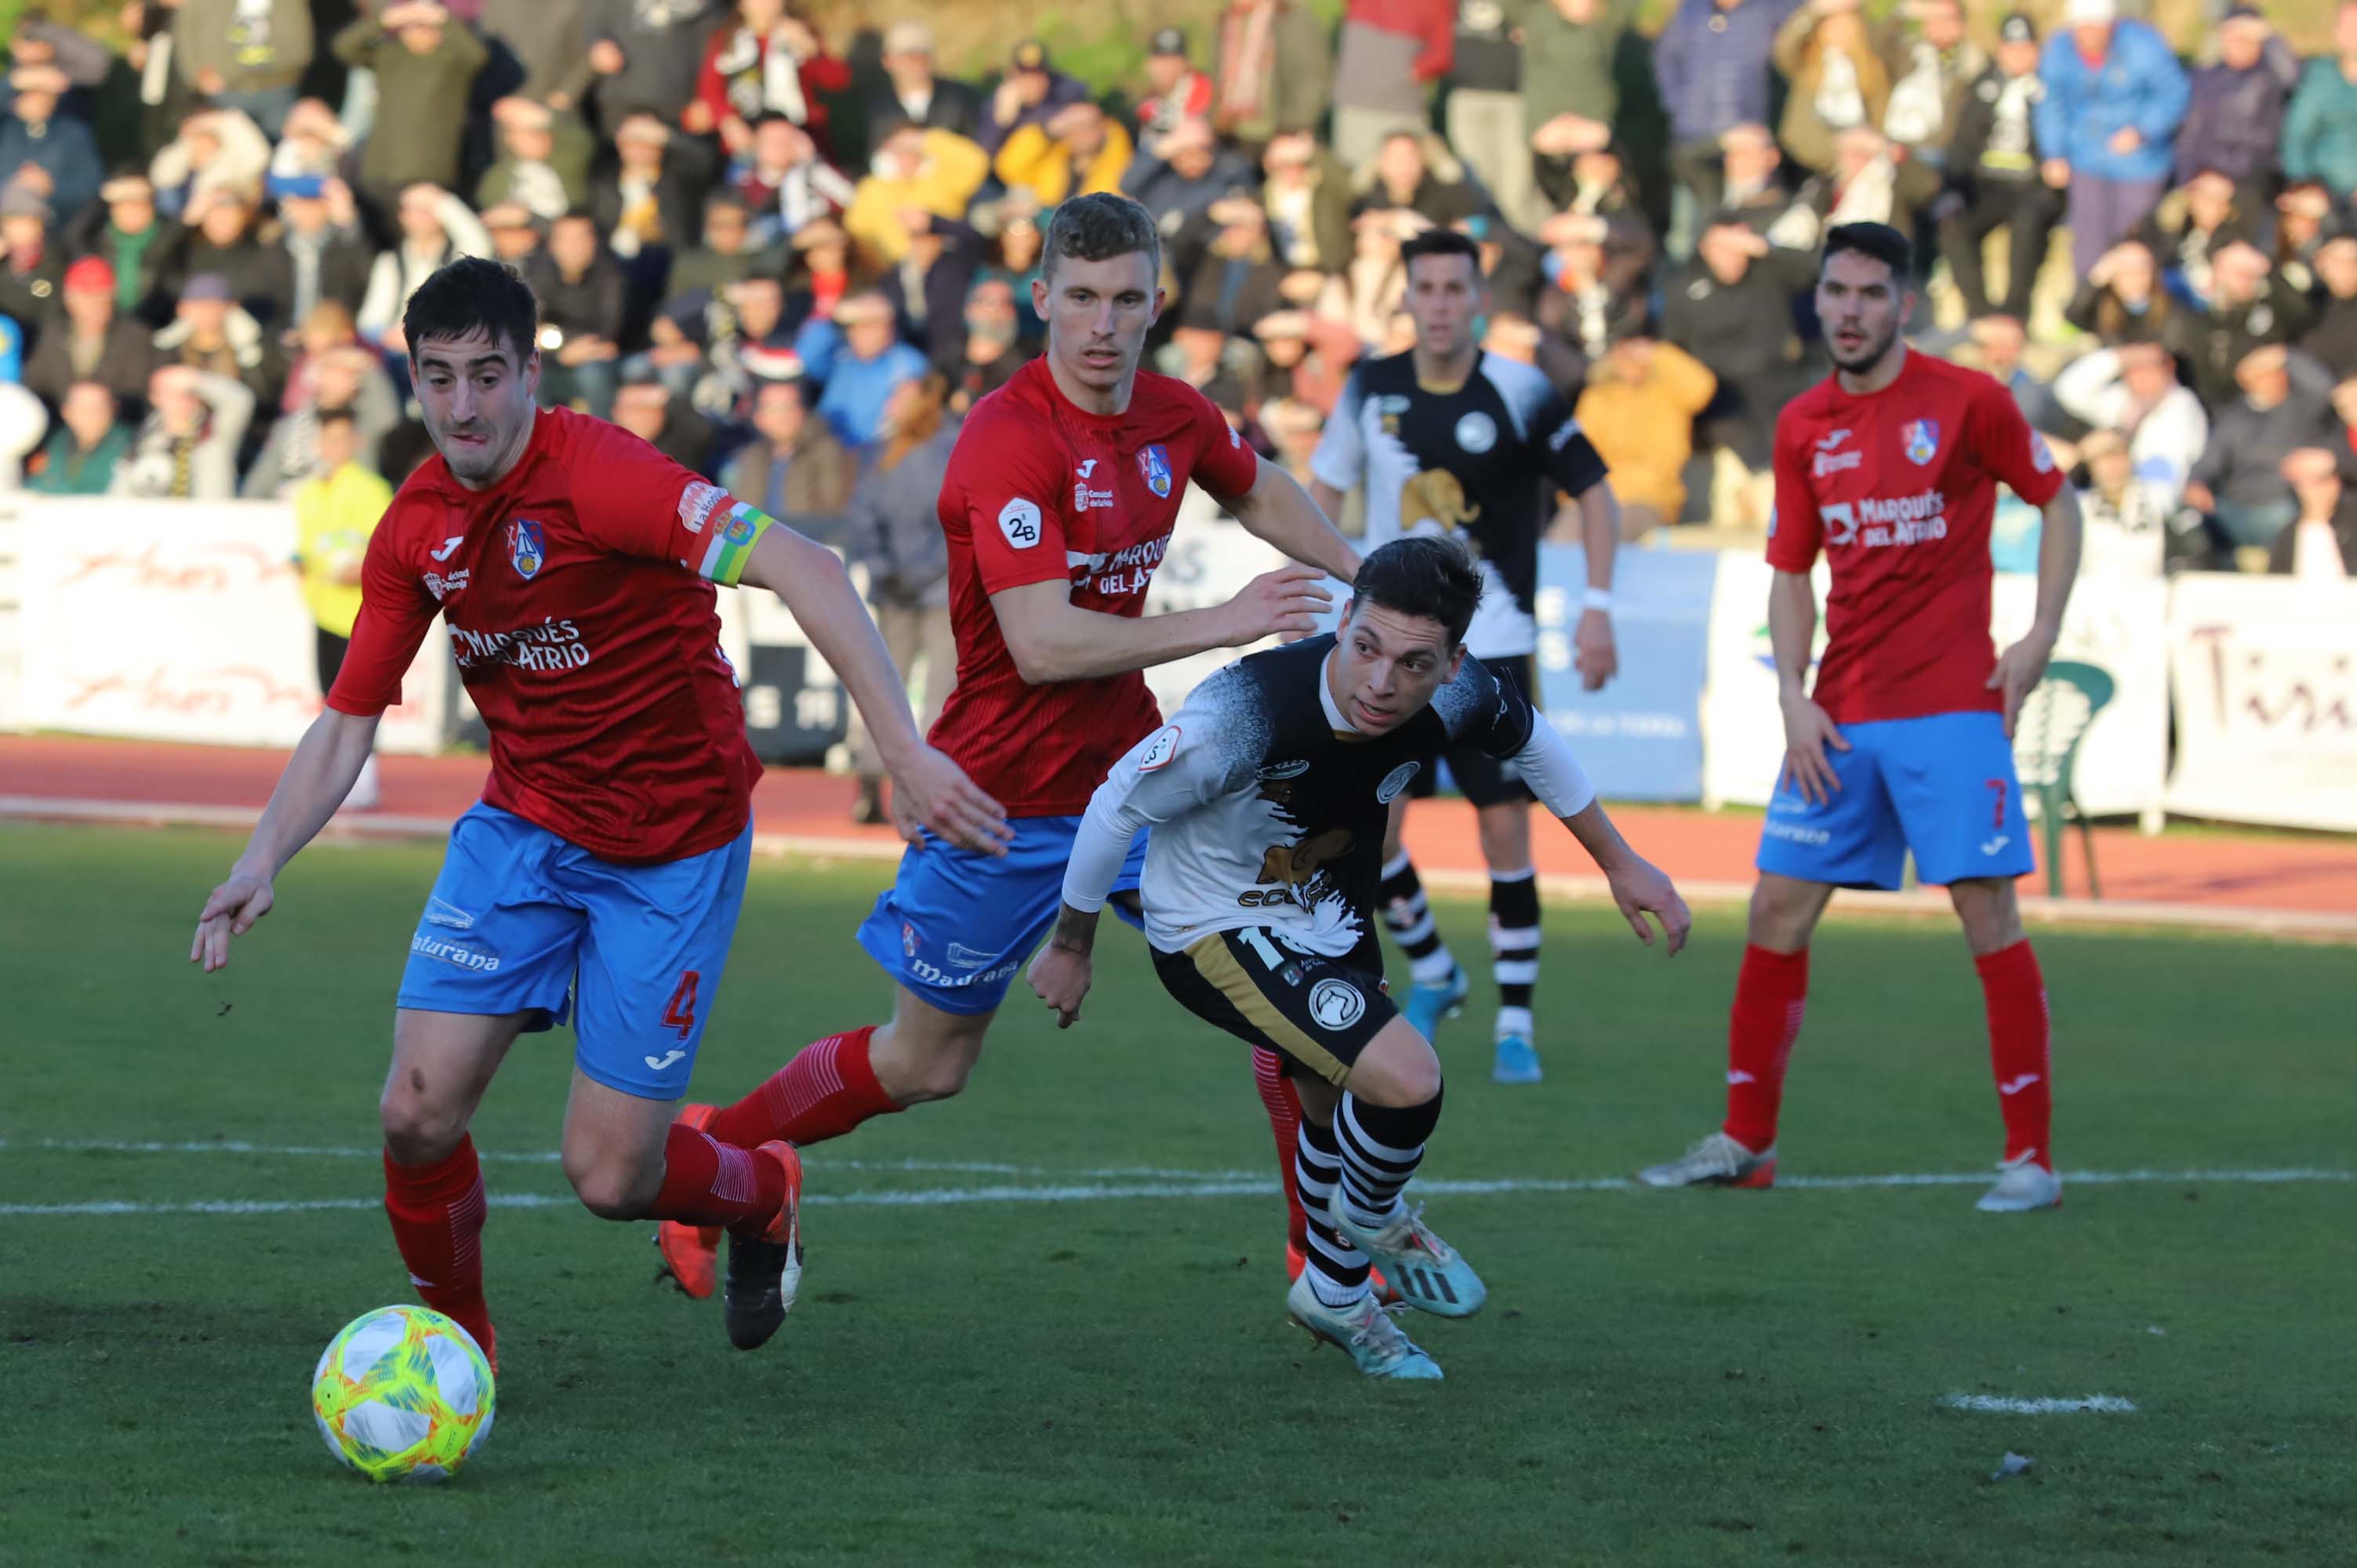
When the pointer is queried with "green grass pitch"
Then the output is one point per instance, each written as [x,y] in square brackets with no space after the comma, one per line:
[1102,1372]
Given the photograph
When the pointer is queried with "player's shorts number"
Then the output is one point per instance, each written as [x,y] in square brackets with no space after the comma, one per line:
[680,1012]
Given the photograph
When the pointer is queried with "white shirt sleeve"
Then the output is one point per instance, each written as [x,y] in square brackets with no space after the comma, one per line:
[1551,770]
[1340,459]
[1180,767]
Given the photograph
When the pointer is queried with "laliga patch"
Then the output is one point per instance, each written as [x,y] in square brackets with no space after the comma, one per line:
[1160,750]
[1336,1004]
[526,548]
[1396,781]
[695,504]
[1019,521]
[2041,457]
[908,938]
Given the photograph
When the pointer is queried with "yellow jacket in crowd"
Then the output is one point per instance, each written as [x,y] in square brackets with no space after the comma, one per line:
[1638,410]
[1047,168]
[333,519]
[942,181]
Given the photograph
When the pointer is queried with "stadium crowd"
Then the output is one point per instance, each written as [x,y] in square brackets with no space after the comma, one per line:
[792,263]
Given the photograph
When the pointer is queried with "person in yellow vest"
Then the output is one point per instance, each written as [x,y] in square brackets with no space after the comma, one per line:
[335,512]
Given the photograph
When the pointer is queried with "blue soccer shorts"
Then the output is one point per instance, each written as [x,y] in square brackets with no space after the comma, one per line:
[1943,786]
[524,921]
[955,925]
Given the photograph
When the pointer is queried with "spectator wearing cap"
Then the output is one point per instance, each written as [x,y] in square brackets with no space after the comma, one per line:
[92,340]
[2320,545]
[515,234]
[1731,308]
[1028,94]
[1414,171]
[928,289]
[766,59]
[582,302]
[436,227]
[646,58]
[2320,138]
[31,268]
[648,204]
[187,447]
[1175,90]
[333,369]
[2332,341]
[546,38]
[1710,65]
[647,408]
[125,232]
[2285,403]
[1482,105]
[915,93]
[1308,194]
[2121,300]
[1931,62]
[931,171]
[2236,106]
[1838,81]
[2133,393]
[1272,71]
[2250,307]
[1638,408]
[858,355]
[424,63]
[1080,151]
[246,55]
[543,162]
[781,177]
[1228,274]
[1388,56]
[2190,225]
[320,255]
[994,347]
[51,155]
[1184,172]
[220,241]
[1570,96]
[2107,125]
[89,441]
[1994,177]
[215,149]
[215,334]
[793,468]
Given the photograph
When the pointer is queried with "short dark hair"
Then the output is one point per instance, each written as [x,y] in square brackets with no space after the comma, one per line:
[1097,227]
[338,414]
[1878,242]
[1424,575]
[1440,242]
[473,294]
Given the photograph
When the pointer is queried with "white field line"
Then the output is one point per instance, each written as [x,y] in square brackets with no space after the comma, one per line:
[2096,1404]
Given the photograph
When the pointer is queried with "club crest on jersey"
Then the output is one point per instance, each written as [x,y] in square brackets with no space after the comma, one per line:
[526,548]
[1155,464]
[1337,1003]
[1395,780]
[1476,431]
[1920,439]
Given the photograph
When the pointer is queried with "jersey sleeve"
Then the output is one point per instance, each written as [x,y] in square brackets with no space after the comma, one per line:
[1794,529]
[1188,763]
[2008,447]
[1012,501]
[633,500]
[395,613]
[1480,711]
[1225,467]
[1566,454]
[1341,455]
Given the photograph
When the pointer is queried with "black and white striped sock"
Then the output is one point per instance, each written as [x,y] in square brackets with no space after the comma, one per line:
[1409,920]
[1514,946]
[1382,1145]
[1338,1271]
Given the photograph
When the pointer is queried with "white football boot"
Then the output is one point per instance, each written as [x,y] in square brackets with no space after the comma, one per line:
[2023,1187]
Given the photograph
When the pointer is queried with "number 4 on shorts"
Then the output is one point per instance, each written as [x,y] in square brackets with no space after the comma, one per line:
[680,1012]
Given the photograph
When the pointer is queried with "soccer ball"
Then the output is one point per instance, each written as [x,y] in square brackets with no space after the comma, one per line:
[403,1394]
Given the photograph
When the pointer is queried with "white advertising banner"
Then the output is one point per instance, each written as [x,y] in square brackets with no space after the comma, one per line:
[184,620]
[2266,672]
[1742,727]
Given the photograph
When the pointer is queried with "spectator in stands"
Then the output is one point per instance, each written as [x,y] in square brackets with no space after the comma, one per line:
[1175,90]
[928,290]
[2320,138]
[1871,183]
[321,256]
[23,423]
[336,510]
[894,532]
[1376,285]
[931,171]
[2190,226]
[1184,172]
[1711,65]
[314,143]
[2332,341]
[1752,169]
[545,37]
[125,232]
[51,153]
[1228,275]
[2235,108]
[1994,345]
[2239,482]
[215,149]
[1597,288]
[86,445]
[1481,97]
[646,408]
[1639,408]
[244,55]
[31,268]
[515,234]
[582,303]
[2121,300]
[1931,67]
[1386,59]
[1414,171]
[2320,545]
[425,63]
[93,342]
[334,370]
[36,40]
[730,252]
[782,178]
[1732,309]
[1308,195]
[187,447]
[544,163]
[793,468]
[2125,531]
[2250,307]
[1029,94]
[1994,171]
[2133,392]
[221,243]
[859,357]
[915,95]
[822,273]
[2114,98]
[646,55]
[1295,427]
[1014,228]
[994,349]
[215,334]
[1308,358]
[767,60]
[1272,71]
[1570,96]
[1839,82]
[648,206]
[436,227]
[2301,211]
[1078,151]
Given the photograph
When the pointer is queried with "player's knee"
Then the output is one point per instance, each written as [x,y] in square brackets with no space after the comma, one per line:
[418,1130]
[937,1075]
[1396,1071]
[608,1189]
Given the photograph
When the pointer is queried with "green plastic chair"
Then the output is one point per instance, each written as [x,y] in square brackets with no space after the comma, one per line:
[2046,737]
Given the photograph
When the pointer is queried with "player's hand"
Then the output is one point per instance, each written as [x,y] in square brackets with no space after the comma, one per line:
[1641,888]
[930,792]
[1284,603]
[2056,172]
[1060,976]
[2018,670]
[231,911]
[1597,656]
[1807,733]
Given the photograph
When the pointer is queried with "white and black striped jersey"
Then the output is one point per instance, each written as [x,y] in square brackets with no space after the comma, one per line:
[1268,808]
[1481,462]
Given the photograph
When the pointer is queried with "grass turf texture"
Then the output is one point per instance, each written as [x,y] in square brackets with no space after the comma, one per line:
[1676,1378]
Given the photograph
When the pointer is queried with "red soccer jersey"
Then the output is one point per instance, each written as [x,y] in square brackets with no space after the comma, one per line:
[576,595]
[1899,487]
[1038,491]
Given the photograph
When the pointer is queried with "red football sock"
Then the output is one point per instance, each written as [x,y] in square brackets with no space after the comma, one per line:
[437,1222]
[1283,1102]
[2018,1052]
[707,1182]
[826,1090]
[1770,993]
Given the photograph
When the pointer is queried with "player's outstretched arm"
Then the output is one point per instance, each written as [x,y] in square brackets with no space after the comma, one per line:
[318,776]
[1278,510]
[1051,639]
[2021,667]
[927,788]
